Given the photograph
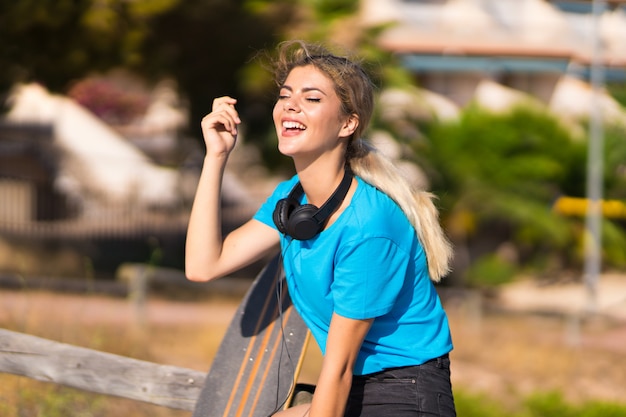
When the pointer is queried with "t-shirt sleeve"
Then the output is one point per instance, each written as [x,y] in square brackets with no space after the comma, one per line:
[265,213]
[369,276]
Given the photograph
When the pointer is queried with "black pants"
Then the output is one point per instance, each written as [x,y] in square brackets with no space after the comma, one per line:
[416,391]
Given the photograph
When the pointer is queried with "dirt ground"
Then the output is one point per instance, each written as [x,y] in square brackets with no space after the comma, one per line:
[523,340]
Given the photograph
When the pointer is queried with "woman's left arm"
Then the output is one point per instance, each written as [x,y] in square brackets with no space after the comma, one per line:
[345,337]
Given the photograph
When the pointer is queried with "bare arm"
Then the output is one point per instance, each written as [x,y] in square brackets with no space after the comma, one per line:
[207,254]
[345,338]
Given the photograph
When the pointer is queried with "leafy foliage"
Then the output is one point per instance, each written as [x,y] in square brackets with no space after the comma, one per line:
[618,91]
[498,176]
[550,404]
[56,41]
[207,45]
[615,163]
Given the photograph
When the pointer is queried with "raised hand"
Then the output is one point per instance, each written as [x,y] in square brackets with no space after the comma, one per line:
[219,127]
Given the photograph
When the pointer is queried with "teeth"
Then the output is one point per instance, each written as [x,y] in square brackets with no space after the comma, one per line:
[293,125]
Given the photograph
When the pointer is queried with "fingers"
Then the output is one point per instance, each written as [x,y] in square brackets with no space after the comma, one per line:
[225,100]
[223,116]
[227,104]
[220,121]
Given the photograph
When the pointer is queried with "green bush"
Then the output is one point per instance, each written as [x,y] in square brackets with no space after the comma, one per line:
[551,404]
[504,171]
[468,405]
[490,270]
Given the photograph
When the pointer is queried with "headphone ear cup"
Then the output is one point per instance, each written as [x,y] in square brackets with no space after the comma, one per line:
[281,214]
[301,223]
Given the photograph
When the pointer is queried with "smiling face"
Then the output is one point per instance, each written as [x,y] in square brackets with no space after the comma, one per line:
[308,116]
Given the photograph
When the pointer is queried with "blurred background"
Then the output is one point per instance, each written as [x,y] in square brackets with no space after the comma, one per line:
[513,112]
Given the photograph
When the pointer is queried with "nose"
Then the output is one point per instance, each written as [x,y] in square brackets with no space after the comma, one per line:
[290,105]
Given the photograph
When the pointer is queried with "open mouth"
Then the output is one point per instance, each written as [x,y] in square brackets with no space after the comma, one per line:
[293,126]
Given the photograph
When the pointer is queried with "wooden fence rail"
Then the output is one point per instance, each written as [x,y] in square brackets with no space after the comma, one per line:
[99,372]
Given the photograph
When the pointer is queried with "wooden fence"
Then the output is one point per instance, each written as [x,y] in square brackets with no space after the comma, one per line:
[99,372]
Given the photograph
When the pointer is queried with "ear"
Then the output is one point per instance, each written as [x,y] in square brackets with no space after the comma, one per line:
[349,126]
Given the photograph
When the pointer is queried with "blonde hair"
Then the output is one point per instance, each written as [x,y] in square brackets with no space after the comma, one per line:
[356,93]
[377,170]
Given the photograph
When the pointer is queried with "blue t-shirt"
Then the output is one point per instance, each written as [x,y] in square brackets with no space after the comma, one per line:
[368,264]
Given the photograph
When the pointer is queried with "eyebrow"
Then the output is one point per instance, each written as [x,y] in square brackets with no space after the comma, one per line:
[304,90]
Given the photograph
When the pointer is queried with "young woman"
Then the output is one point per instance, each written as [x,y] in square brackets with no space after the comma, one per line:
[360,268]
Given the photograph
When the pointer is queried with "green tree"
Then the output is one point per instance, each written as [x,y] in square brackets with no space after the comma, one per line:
[498,176]
[202,44]
[57,41]
[209,48]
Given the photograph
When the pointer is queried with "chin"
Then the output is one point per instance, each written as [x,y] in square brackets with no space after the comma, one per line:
[286,149]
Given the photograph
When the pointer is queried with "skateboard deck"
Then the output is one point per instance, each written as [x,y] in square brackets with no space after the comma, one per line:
[256,366]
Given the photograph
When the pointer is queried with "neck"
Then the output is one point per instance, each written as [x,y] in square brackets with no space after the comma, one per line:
[319,180]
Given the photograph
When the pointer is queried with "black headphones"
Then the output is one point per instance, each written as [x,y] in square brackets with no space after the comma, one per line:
[302,222]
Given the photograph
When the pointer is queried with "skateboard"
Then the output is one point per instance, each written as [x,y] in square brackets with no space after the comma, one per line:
[255,369]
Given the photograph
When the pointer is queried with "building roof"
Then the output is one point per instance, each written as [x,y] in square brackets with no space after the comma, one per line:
[530,35]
